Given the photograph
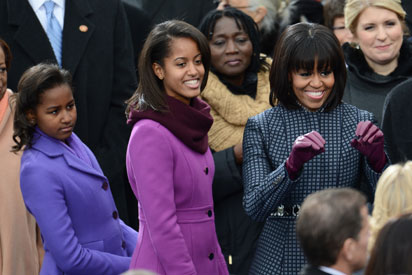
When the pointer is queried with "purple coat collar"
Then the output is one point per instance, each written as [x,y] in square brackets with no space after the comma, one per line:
[55,148]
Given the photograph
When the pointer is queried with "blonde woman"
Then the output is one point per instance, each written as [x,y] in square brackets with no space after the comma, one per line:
[382,58]
[393,197]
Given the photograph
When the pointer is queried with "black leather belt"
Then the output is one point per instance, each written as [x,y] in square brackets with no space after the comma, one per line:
[286,211]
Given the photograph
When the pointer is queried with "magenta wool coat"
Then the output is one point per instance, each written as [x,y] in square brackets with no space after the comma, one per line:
[173,185]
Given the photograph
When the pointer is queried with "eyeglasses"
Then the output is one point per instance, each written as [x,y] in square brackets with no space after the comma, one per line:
[217,3]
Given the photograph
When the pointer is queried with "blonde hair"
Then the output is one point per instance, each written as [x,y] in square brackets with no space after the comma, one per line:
[393,197]
[353,8]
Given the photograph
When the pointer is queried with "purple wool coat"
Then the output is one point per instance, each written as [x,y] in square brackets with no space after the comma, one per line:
[173,185]
[74,208]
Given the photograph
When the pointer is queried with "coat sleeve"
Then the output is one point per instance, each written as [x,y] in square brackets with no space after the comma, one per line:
[396,114]
[130,236]
[150,159]
[264,188]
[227,179]
[389,120]
[44,195]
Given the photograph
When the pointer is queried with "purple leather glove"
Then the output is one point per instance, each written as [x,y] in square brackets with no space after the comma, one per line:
[369,142]
[304,149]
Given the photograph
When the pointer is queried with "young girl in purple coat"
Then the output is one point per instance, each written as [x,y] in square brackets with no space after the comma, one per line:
[169,163]
[62,183]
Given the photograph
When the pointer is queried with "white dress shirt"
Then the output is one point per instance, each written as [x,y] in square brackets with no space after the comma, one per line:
[40,11]
[331,271]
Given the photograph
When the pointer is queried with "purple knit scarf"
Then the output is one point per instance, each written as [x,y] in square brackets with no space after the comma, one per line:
[189,123]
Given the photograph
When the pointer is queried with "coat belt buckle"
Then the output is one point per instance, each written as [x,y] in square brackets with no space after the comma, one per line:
[284,211]
[295,210]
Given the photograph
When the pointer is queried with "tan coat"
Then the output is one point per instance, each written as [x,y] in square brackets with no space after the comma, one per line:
[21,250]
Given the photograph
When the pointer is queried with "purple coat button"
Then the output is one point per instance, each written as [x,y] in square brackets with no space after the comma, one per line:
[105,186]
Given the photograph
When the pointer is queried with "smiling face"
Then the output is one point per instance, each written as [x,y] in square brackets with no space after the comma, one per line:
[380,35]
[312,88]
[182,71]
[231,50]
[56,113]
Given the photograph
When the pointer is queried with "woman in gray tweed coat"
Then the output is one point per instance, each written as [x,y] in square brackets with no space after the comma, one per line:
[310,141]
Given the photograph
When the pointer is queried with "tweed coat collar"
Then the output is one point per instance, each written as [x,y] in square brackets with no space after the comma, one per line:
[55,148]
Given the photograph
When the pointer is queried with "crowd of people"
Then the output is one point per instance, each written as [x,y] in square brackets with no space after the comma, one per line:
[205,137]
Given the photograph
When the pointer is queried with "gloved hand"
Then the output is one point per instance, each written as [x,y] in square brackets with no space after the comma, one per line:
[304,149]
[369,142]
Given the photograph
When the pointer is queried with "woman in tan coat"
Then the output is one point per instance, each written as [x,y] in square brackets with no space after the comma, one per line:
[237,88]
[21,249]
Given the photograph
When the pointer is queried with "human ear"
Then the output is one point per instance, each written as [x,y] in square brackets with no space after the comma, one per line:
[158,70]
[259,14]
[348,249]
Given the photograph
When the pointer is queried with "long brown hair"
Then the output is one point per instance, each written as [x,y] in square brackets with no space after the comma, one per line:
[150,93]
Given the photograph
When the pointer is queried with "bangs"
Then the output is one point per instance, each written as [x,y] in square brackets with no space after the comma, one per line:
[210,26]
[311,51]
[241,25]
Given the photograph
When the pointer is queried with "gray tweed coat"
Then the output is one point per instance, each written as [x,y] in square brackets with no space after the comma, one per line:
[267,142]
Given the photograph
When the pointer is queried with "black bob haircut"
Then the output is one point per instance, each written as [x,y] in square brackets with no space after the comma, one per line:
[299,47]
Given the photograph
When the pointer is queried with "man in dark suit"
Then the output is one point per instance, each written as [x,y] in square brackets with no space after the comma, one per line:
[97,50]
[333,231]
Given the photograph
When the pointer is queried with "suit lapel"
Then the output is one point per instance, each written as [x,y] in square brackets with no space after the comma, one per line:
[76,32]
[30,35]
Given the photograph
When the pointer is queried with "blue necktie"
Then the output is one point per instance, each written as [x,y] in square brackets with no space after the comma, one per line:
[54,31]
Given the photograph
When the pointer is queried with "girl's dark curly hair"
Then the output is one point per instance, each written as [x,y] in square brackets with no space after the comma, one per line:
[33,83]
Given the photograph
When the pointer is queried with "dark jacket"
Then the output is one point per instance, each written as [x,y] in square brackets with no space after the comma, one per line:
[407,6]
[187,10]
[139,23]
[367,90]
[99,57]
[237,233]
[396,124]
